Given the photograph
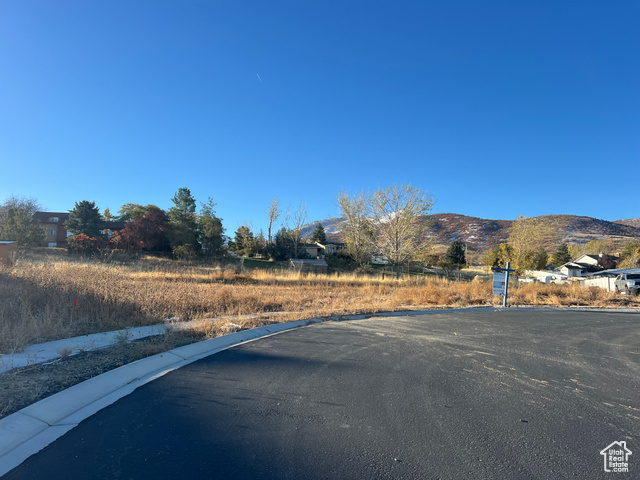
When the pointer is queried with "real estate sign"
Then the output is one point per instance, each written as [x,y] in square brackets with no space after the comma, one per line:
[499,283]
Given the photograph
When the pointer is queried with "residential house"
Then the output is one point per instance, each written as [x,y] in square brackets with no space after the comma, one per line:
[55,233]
[109,228]
[313,249]
[586,264]
[331,248]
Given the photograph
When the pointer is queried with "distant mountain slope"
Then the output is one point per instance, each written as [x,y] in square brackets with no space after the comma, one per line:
[633,222]
[480,233]
[330,225]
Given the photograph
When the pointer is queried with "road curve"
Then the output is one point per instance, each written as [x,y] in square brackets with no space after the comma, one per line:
[495,394]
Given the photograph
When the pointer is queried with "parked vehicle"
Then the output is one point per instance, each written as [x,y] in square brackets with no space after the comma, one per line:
[628,283]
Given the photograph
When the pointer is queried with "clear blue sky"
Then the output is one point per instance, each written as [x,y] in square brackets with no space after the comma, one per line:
[497,108]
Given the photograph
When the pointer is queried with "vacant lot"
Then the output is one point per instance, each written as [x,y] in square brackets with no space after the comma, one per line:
[49,295]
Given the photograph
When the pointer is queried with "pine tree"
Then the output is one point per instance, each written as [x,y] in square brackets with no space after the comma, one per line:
[561,256]
[184,221]
[244,242]
[319,234]
[85,218]
[454,258]
[211,230]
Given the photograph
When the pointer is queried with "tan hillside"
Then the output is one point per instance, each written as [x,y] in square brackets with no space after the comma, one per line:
[480,233]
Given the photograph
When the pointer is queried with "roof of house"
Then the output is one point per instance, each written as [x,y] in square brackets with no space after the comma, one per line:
[114,225]
[44,216]
[614,272]
[577,266]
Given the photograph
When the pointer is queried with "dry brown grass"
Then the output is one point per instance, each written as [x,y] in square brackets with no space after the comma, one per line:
[39,294]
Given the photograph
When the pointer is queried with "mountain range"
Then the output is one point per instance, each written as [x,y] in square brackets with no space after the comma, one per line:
[481,234]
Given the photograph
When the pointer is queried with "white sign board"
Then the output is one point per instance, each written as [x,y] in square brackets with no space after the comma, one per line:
[499,283]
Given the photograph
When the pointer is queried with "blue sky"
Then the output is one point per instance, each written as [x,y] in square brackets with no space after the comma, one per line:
[497,108]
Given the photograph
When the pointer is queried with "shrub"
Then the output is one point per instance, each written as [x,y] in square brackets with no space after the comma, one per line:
[85,244]
[185,252]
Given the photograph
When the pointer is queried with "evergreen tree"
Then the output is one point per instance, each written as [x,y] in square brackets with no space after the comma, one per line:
[561,256]
[183,220]
[211,230]
[85,218]
[244,243]
[283,247]
[319,234]
[540,260]
[454,258]
[260,243]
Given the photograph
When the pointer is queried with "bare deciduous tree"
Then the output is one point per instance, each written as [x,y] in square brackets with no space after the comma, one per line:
[356,225]
[399,227]
[297,218]
[29,205]
[274,214]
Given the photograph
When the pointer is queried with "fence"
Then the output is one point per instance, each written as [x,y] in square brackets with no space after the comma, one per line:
[606,283]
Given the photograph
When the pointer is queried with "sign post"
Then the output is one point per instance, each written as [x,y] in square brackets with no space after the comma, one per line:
[501,282]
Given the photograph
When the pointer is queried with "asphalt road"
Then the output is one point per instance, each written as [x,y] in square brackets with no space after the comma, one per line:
[502,395]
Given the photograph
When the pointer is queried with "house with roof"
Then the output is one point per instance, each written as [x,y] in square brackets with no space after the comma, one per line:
[331,248]
[55,233]
[313,249]
[109,228]
[587,264]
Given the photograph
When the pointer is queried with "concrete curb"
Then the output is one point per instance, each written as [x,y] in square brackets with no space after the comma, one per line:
[49,351]
[31,429]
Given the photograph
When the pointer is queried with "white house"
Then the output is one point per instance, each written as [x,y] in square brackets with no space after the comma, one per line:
[330,248]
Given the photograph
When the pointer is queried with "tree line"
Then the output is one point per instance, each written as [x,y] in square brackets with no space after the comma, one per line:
[389,222]
[525,251]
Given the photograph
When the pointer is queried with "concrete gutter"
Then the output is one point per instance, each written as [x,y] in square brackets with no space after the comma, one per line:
[31,429]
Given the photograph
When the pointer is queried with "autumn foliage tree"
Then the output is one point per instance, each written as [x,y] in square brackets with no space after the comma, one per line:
[148,232]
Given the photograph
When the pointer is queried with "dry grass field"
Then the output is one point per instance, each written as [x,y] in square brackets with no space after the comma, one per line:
[50,295]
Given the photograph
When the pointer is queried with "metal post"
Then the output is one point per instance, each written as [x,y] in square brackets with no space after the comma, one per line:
[506,286]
